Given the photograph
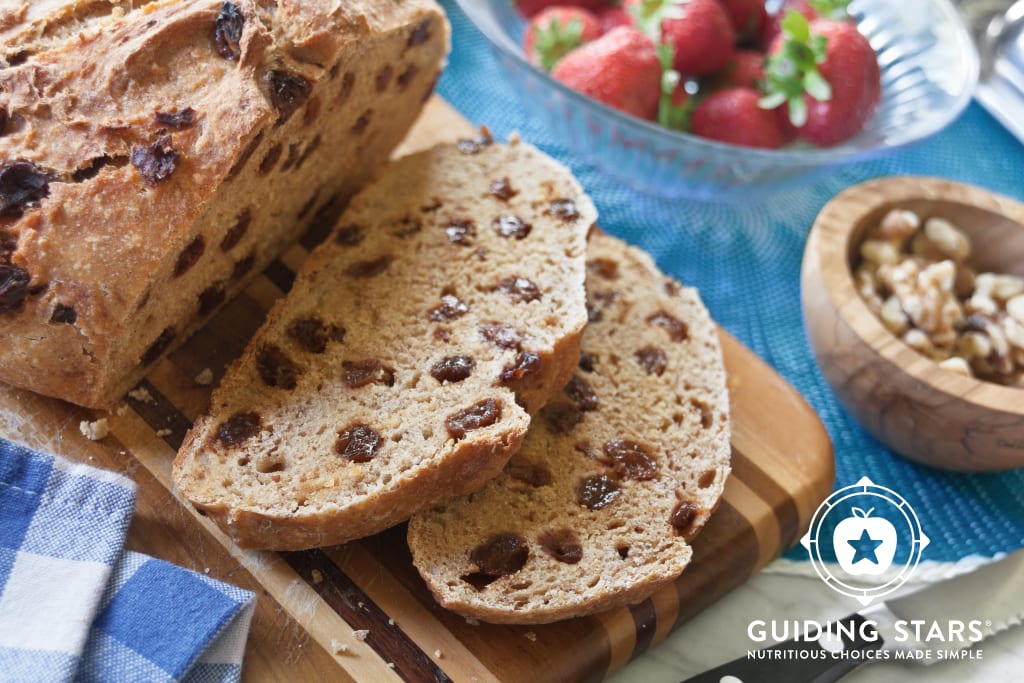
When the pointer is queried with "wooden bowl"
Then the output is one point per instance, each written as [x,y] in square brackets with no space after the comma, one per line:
[924,412]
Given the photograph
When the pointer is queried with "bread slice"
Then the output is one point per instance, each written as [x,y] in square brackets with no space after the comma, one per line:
[400,370]
[613,480]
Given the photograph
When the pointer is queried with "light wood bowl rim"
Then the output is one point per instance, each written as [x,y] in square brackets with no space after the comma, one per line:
[830,241]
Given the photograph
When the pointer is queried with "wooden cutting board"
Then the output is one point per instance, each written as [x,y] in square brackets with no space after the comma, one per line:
[311,603]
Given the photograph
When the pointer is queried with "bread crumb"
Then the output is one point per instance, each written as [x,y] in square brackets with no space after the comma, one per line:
[206,571]
[163,432]
[438,654]
[141,394]
[338,647]
[204,378]
[391,665]
[531,636]
[472,622]
[317,576]
[361,634]
[96,430]
[121,410]
[514,139]
[391,622]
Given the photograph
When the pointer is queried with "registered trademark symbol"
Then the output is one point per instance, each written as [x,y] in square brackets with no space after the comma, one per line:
[988,623]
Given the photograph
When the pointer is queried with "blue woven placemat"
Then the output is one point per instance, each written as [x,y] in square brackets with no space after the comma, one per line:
[746,262]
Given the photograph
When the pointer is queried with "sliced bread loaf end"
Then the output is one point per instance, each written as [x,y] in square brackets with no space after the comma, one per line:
[615,477]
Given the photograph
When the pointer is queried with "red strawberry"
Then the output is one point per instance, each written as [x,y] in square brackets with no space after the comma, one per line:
[620,69]
[557,31]
[745,70]
[812,9]
[530,8]
[614,16]
[699,32]
[827,77]
[734,116]
[747,17]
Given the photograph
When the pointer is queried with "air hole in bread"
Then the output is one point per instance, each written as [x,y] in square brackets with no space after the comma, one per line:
[312,111]
[307,207]
[244,156]
[345,91]
[189,256]
[479,581]
[269,466]
[270,159]
[276,369]
[623,550]
[242,462]
[405,78]
[243,266]
[604,267]
[707,479]
[383,78]
[312,147]
[561,544]
[359,127]
[237,231]
[706,416]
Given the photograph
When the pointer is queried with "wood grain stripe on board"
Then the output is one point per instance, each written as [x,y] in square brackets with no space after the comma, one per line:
[160,414]
[354,606]
[645,619]
[621,630]
[361,561]
[772,493]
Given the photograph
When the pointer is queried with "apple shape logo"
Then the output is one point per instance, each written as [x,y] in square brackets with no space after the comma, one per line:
[865,540]
[864,544]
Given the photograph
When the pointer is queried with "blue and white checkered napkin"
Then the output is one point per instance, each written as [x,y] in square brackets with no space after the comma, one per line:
[74,606]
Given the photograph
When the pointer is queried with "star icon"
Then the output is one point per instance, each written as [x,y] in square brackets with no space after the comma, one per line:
[865,547]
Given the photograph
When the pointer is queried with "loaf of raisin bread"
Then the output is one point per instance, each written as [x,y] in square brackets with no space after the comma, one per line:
[402,367]
[154,156]
[616,475]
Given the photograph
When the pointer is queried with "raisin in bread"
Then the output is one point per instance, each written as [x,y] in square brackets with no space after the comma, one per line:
[616,475]
[154,156]
[401,368]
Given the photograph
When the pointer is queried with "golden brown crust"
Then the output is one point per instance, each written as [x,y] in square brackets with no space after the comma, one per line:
[84,94]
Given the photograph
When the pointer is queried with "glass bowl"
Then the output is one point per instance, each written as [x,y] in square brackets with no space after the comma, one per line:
[929,71]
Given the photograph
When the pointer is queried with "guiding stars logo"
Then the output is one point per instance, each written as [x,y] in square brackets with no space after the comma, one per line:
[873,534]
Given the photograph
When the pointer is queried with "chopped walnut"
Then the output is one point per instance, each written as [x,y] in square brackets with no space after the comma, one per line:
[914,277]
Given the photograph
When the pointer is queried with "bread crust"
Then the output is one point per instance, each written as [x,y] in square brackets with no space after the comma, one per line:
[147,173]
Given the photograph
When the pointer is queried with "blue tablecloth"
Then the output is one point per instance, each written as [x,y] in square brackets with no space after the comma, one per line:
[746,261]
